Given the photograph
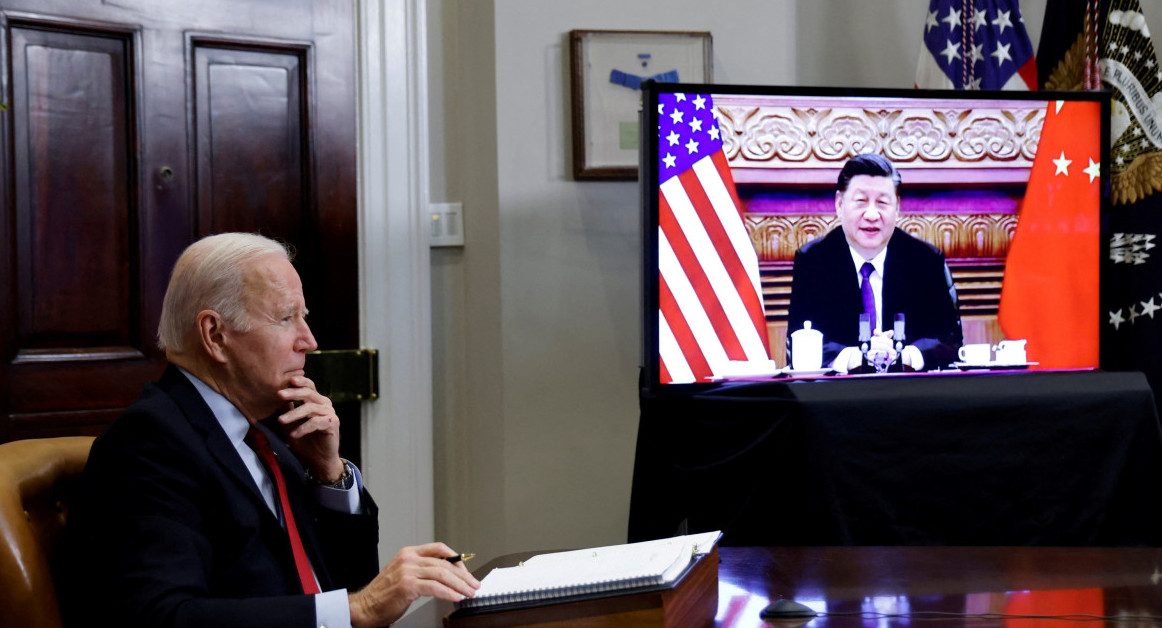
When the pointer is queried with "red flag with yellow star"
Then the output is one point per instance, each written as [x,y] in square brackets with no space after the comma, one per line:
[1050,294]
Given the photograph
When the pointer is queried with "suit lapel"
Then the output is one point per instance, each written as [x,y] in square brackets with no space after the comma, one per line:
[894,279]
[851,299]
[175,384]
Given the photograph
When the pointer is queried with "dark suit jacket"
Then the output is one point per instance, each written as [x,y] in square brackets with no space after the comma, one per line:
[825,290]
[172,530]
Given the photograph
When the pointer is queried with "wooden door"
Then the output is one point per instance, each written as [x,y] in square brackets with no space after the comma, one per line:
[131,129]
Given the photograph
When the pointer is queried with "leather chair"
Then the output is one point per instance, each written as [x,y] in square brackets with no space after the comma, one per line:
[37,479]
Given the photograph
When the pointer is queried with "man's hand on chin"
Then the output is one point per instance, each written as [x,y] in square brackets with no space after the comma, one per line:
[312,429]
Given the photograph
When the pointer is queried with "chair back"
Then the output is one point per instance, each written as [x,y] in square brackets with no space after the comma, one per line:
[37,481]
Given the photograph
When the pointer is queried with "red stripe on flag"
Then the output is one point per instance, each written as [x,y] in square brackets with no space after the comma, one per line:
[1028,73]
[664,373]
[1050,292]
[755,310]
[695,359]
[699,281]
[724,248]
[723,168]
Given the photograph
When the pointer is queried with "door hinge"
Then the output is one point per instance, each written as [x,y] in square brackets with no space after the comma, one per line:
[345,375]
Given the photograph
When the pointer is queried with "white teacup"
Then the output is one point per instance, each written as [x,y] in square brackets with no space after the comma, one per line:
[806,348]
[978,353]
[1011,352]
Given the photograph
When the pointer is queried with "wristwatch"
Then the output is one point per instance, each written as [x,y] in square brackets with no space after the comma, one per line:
[344,482]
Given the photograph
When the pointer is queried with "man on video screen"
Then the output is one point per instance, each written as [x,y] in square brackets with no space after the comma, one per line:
[870,266]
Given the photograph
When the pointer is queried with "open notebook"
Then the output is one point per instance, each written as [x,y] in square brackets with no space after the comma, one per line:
[592,571]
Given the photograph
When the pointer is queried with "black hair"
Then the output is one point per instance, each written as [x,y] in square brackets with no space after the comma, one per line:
[870,164]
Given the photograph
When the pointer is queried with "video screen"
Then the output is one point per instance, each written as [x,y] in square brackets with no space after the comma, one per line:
[808,232]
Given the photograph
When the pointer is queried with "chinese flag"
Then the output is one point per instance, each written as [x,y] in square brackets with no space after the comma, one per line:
[1050,291]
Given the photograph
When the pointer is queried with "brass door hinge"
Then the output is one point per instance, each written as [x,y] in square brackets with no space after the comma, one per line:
[345,374]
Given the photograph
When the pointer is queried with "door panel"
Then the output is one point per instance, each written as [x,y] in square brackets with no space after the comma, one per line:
[74,244]
[132,129]
[73,305]
[251,135]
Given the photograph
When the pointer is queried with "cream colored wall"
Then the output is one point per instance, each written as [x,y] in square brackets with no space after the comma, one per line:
[467,345]
[535,320]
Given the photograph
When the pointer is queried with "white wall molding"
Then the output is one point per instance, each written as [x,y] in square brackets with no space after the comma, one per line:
[395,266]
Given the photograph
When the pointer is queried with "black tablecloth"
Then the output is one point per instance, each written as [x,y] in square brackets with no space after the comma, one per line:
[1069,458]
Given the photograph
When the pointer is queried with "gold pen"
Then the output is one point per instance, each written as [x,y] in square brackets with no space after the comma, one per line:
[459,558]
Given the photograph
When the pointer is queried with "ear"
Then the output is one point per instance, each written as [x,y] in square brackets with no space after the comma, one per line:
[838,201]
[212,335]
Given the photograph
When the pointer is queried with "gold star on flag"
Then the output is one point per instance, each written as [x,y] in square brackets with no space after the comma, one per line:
[1094,170]
[1062,164]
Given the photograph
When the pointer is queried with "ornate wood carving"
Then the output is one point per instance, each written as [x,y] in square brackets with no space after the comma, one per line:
[777,237]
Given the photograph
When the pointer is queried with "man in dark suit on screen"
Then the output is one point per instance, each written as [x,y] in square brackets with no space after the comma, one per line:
[870,266]
[218,498]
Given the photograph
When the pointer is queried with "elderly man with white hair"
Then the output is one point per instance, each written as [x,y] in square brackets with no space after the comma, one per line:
[219,498]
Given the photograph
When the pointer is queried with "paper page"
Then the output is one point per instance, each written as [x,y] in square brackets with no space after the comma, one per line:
[595,569]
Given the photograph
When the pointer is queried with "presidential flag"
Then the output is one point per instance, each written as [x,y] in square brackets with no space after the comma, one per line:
[1110,40]
[976,44]
[711,322]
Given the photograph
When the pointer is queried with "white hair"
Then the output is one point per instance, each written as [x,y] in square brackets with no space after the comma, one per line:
[209,275]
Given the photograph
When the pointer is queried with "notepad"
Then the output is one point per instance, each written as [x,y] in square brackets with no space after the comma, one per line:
[592,571]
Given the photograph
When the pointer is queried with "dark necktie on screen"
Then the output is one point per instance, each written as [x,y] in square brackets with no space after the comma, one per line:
[869,298]
[261,446]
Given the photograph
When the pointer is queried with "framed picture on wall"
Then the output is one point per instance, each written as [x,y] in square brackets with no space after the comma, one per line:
[608,68]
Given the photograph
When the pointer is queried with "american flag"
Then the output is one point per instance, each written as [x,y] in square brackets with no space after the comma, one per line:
[976,44]
[711,322]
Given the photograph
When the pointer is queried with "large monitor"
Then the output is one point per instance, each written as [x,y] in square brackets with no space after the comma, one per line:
[991,250]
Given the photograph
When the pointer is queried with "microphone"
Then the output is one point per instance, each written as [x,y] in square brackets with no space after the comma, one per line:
[864,335]
[898,336]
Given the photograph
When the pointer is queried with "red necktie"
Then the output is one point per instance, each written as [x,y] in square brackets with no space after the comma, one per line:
[261,446]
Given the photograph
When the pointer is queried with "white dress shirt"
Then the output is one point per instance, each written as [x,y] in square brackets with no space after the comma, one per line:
[914,358]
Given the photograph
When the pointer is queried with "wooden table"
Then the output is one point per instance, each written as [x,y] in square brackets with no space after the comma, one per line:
[860,582]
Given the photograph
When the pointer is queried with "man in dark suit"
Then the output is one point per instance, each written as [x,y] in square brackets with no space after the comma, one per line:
[186,519]
[869,265]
